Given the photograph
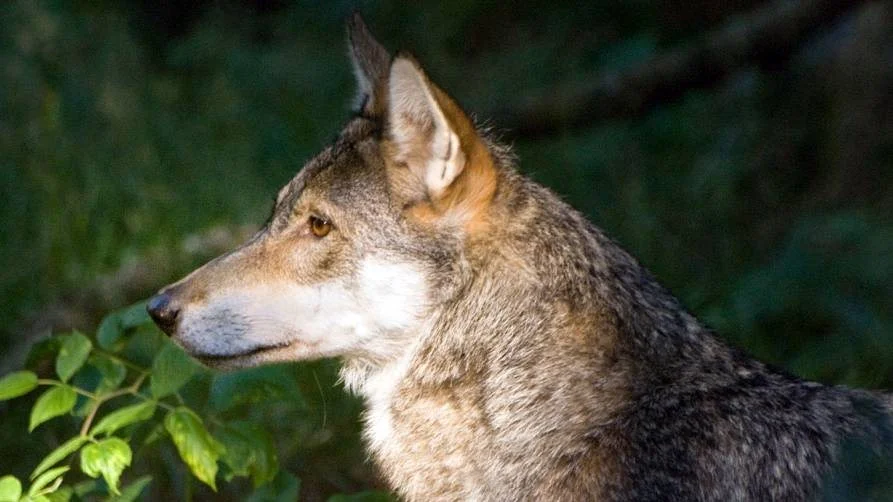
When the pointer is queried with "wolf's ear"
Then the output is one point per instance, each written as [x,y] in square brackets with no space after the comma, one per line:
[435,139]
[371,63]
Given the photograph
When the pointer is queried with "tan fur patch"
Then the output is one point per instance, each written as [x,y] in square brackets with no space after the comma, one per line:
[473,191]
[465,201]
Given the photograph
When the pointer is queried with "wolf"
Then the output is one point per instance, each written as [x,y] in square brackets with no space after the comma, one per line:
[505,347]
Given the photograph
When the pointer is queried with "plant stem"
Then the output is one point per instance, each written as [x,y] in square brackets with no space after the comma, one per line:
[50,489]
[90,416]
[125,362]
[159,403]
[99,400]
[56,383]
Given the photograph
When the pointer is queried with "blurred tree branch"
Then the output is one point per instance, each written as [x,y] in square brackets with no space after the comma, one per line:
[764,37]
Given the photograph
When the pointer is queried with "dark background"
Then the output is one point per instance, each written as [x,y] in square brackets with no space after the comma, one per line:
[742,150]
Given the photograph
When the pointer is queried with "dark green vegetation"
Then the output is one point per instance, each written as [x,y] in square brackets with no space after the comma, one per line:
[136,141]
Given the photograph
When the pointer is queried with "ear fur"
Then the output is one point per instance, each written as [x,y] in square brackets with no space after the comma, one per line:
[415,115]
[428,133]
[371,63]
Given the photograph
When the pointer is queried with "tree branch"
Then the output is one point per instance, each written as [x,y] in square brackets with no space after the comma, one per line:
[763,37]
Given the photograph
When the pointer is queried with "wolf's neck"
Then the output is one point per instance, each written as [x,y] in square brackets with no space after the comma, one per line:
[366,378]
[366,374]
[570,264]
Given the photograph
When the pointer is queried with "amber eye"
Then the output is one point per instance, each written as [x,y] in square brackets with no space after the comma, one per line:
[319,226]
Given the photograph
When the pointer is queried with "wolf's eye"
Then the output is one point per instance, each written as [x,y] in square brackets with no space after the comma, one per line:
[319,226]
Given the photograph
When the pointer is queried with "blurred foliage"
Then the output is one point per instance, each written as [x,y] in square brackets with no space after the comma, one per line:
[126,128]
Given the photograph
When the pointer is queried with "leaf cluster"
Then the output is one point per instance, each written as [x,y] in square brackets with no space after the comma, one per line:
[121,404]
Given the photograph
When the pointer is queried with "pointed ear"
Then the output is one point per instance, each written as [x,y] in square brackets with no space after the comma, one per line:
[371,63]
[428,133]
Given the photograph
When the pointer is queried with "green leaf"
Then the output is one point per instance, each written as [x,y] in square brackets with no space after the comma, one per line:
[115,325]
[255,385]
[155,433]
[52,403]
[132,491]
[134,315]
[197,448]
[10,489]
[72,354]
[362,497]
[109,331]
[239,454]
[66,449]
[284,488]
[17,384]
[123,417]
[112,370]
[45,479]
[85,488]
[249,452]
[108,457]
[63,494]
[171,369]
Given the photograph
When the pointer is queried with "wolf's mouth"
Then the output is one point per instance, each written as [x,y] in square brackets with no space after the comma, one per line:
[266,354]
[224,357]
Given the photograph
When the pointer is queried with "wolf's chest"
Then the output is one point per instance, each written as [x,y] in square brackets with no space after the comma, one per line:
[380,390]
[428,443]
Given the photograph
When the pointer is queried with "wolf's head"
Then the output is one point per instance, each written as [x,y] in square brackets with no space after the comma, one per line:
[362,244]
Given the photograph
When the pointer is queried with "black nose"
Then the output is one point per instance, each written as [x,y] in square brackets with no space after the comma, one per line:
[163,311]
